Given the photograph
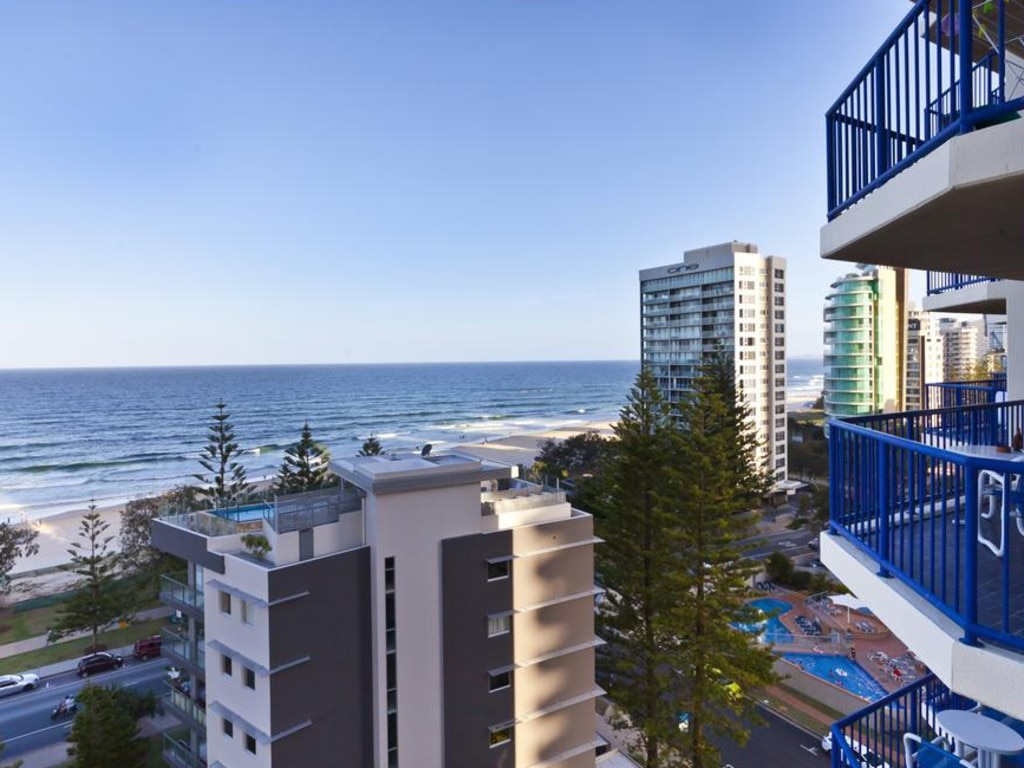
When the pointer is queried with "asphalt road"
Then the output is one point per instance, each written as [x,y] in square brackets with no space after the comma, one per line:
[777,744]
[25,723]
[791,543]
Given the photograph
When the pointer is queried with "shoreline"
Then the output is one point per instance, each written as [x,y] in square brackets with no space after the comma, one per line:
[59,529]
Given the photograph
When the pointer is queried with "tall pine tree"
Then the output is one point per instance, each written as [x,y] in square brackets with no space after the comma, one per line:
[306,466]
[98,601]
[105,732]
[639,564]
[717,485]
[226,482]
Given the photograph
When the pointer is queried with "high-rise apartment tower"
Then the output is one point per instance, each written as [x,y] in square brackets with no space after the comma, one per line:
[724,297]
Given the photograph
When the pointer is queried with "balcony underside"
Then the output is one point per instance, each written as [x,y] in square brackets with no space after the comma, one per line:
[958,208]
[980,298]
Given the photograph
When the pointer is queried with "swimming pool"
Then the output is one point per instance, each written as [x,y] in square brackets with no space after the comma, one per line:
[770,630]
[840,671]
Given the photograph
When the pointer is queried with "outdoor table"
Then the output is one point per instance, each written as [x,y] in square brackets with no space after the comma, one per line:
[990,737]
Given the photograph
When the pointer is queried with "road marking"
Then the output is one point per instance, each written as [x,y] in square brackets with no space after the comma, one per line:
[9,739]
[812,750]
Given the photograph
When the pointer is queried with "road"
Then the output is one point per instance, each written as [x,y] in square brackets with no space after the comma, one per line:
[789,542]
[25,723]
[775,744]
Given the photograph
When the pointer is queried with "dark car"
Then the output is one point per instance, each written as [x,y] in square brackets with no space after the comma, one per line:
[99,662]
[147,647]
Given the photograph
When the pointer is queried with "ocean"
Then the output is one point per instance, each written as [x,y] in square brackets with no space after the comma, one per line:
[109,435]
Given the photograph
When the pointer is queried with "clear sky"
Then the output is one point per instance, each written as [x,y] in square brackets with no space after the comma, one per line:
[228,182]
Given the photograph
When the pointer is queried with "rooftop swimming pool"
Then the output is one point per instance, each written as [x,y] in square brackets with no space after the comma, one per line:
[770,630]
[840,671]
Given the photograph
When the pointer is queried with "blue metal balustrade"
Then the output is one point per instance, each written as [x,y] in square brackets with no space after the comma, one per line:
[944,282]
[919,89]
[878,728]
[954,394]
[904,488]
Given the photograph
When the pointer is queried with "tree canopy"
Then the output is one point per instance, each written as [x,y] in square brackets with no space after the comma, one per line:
[673,503]
[98,600]
[224,483]
[306,466]
[16,542]
[105,731]
[371,447]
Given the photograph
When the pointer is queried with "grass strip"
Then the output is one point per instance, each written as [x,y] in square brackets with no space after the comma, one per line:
[73,649]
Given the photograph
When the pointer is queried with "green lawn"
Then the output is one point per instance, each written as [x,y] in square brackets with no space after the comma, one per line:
[18,626]
[72,649]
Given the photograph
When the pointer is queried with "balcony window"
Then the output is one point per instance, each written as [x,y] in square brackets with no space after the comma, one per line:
[501,735]
[499,570]
[499,625]
[499,681]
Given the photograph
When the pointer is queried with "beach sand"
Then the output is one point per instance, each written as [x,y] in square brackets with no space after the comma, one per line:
[57,532]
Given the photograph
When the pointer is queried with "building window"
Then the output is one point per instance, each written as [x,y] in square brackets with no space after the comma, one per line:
[226,665]
[225,602]
[497,571]
[779,274]
[499,681]
[229,728]
[502,735]
[247,613]
[250,743]
[249,676]
[498,625]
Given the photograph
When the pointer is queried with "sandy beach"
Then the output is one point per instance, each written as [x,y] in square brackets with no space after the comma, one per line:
[56,532]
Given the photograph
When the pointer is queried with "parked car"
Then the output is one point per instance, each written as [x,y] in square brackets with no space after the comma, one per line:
[868,759]
[147,647]
[99,662]
[11,684]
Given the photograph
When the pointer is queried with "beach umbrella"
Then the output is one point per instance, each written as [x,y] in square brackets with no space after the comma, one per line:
[849,601]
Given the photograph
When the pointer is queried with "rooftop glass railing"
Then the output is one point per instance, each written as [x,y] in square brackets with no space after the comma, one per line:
[941,72]
[936,498]
[175,589]
[178,753]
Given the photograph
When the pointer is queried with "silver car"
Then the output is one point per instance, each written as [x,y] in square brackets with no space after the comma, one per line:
[10,684]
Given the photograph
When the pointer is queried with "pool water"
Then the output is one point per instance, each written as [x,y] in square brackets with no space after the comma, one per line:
[772,629]
[840,671]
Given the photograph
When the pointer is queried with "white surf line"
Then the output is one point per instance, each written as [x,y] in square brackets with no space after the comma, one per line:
[9,739]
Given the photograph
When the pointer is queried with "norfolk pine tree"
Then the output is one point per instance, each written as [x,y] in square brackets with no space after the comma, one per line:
[305,467]
[98,600]
[639,565]
[371,447]
[717,482]
[226,483]
[16,542]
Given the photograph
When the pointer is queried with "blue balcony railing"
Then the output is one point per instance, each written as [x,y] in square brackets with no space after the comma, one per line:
[922,493]
[930,80]
[943,282]
[954,394]
[878,728]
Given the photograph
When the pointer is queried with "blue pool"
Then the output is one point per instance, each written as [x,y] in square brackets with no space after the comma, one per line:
[771,630]
[840,671]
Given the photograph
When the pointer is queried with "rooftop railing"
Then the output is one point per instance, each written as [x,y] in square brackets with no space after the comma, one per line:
[940,73]
[944,282]
[175,589]
[934,500]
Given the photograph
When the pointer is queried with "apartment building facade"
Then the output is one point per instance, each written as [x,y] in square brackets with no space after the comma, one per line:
[865,332]
[925,505]
[431,611]
[924,359]
[725,297]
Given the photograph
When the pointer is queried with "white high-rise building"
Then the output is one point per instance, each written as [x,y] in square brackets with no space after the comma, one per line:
[726,297]
[924,358]
[963,347]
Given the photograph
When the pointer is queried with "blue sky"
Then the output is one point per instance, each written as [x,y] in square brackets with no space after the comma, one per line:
[213,182]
